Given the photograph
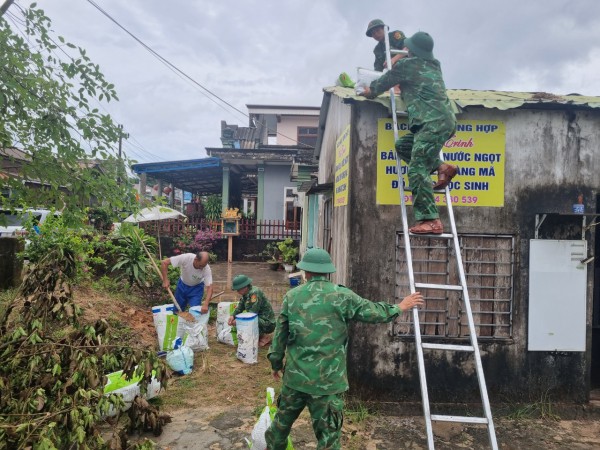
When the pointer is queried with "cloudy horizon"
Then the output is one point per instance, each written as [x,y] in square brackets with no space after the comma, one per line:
[284,53]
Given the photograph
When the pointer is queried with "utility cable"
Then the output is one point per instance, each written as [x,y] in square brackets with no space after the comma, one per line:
[176,69]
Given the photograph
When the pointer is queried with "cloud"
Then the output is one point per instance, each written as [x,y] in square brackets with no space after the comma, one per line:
[276,52]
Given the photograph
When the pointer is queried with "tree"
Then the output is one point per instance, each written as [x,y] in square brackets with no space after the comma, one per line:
[48,109]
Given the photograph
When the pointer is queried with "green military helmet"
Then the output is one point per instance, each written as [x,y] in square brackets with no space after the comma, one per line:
[316,260]
[240,282]
[374,24]
[420,44]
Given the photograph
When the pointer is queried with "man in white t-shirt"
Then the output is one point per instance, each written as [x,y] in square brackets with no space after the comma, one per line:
[194,276]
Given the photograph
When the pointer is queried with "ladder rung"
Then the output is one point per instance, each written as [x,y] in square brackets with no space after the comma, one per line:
[439,236]
[445,287]
[462,419]
[395,51]
[450,347]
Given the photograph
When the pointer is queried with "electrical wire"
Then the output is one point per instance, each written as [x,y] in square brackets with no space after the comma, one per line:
[205,91]
[60,47]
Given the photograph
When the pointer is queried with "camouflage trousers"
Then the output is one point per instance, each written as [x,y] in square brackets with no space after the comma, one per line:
[326,412]
[421,150]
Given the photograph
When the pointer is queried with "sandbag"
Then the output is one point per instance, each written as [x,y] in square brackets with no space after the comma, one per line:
[364,79]
[195,334]
[117,384]
[169,326]
[164,318]
[225,333]
[181,358]
[258,441]
[247,334]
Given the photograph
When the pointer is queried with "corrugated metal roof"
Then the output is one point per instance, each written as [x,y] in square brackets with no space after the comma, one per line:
[463,98]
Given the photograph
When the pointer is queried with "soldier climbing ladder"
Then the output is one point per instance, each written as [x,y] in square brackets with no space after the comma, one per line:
[414,285]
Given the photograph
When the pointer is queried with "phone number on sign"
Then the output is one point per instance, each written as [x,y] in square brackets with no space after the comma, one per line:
[464,200]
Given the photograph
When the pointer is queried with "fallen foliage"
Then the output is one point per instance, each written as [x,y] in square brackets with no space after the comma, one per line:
[52,368]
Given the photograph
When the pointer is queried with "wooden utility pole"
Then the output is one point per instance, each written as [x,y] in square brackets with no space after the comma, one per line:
[121,136]
[5,6]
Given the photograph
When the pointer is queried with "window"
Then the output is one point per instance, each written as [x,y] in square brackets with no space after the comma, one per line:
[488,262]
[307,136]
[292,211]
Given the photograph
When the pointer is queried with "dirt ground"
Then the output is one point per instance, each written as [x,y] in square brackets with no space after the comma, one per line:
[216,406]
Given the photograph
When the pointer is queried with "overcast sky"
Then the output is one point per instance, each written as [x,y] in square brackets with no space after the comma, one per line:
[284,52]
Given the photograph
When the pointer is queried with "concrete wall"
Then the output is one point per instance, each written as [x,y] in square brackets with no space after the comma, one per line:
[276,179]
[551,156]
[288,127]
[10,266]
[338,118]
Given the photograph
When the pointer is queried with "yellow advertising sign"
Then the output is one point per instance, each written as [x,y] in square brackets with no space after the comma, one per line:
[478,149]
[342,166]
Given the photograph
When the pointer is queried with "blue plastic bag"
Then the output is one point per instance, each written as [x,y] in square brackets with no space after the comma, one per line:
[181,358]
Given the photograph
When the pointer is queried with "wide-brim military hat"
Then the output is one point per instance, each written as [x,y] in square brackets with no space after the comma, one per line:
[316,260]
[240,282]
[420,44]
[374,24]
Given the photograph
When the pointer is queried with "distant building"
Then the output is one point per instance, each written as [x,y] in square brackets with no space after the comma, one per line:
[258,168]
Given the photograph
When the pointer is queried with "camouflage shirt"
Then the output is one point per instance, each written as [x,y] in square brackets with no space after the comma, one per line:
[422,89]
[312,333]
[396,42]
[255,301]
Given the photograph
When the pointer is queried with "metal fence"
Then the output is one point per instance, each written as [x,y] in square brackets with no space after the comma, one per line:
[273,293]
[249,228]
[489,264]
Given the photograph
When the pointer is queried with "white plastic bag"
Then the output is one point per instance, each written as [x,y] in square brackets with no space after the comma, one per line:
[247,334]
[225,333]
[264,422]
[181,358]
[163,316]
[228,336]
[364,79]
[258,440]
[195,334]
[169,326]
[116,384]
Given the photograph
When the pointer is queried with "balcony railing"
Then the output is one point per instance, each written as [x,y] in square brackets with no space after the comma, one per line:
[249,228]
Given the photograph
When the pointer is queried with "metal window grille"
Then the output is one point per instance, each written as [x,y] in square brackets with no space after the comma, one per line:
[489,264]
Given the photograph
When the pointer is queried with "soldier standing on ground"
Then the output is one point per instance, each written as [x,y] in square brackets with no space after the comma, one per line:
[431,122]
[312,336]
[254,300]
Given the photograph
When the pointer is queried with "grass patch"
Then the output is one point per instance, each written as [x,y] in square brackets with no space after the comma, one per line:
[7,296]
[539,409]
[356,411]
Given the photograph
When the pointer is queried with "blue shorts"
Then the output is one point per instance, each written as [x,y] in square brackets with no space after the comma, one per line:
[189,295]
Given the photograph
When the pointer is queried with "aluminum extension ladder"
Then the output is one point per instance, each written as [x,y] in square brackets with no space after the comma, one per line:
[473,348]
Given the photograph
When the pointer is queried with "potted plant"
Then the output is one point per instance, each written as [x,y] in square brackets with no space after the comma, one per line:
[289,253]
[270,255]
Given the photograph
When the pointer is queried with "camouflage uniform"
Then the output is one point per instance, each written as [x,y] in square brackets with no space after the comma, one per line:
[255,301]
[430,120]
[396,42]
[312,332]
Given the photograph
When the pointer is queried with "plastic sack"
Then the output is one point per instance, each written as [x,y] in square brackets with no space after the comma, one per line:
[181,358]
[163,317]
[195,334]
[225,333]
[364,79]
[170,326]
[259,441]
[344,80]
[129,389]
[247,334]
